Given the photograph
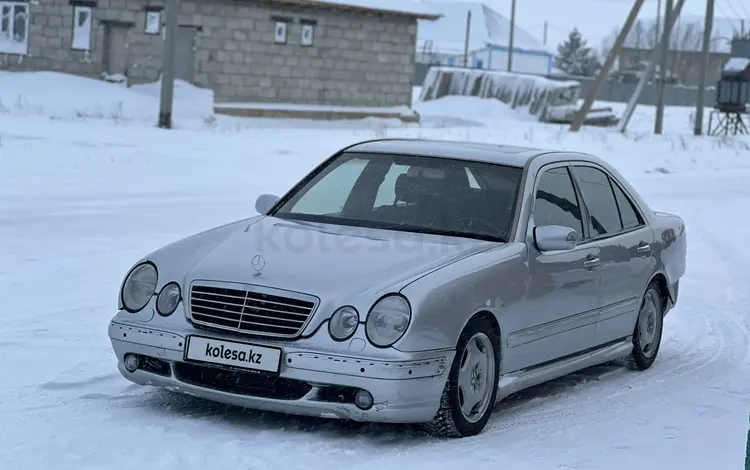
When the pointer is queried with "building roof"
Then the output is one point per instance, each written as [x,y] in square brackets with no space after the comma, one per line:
[488,27]
[483,152]
[411,8]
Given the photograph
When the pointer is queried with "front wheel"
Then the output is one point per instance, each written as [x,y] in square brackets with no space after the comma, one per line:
[471,389]
[648,330]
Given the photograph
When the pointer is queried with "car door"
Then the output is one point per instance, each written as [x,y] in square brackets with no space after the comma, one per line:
[562,298]
[624,240]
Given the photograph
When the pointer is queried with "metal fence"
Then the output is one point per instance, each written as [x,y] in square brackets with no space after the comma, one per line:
[674,95]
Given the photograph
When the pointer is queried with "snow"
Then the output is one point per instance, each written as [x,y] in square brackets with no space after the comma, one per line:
[411,7]
[82,198]
[61,96]
[534,93]
[488,27]
[736,64]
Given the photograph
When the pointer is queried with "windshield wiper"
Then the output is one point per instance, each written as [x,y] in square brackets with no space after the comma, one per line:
[376,224]
[446,233]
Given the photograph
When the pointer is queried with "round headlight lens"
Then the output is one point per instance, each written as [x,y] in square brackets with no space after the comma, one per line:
[388,320]
[343,323]
[139,286]
[169,297]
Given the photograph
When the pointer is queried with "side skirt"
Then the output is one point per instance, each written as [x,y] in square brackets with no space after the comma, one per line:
[516,381]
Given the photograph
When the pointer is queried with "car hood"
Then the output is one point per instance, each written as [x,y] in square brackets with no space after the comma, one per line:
[330,262]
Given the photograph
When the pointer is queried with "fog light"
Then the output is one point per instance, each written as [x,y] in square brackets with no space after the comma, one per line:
[131,362]
[363,399]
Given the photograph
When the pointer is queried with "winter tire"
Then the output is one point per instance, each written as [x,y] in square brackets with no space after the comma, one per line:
[471,388]
[648,330]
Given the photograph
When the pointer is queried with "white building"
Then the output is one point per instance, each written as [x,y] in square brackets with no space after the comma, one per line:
[443,41]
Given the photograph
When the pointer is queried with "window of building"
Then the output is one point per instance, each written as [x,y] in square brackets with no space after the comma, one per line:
[279,35]
[14,27]
[153,22]
[82,28]
[306,36]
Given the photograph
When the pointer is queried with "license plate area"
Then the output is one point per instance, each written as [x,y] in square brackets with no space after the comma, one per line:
[235,354]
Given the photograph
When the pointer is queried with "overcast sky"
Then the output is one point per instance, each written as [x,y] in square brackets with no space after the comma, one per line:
[597,18]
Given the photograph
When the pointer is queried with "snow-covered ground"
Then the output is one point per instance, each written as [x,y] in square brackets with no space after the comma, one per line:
[84,195]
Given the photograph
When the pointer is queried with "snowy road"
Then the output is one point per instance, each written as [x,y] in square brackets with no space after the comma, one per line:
[79,203]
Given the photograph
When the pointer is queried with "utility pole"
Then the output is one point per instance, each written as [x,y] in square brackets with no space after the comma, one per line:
[658,22]
[466,40]
[704,67]
[512,34]
[604,72]
[168,65]
[659,121]
[671,19]
[544,41]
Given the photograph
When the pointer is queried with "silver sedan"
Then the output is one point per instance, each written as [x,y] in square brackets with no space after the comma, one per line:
[408,281]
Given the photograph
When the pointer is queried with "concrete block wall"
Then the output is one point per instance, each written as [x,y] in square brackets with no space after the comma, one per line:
[51,34]
[356,59]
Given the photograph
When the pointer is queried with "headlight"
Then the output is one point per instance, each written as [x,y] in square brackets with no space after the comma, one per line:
[343,323]
[388,320]
[138,287]
[169,297]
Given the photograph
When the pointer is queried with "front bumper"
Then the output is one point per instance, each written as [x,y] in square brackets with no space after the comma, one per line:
[311,381]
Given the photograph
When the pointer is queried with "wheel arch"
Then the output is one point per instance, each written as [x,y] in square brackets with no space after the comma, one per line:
[661,281]
[491,319]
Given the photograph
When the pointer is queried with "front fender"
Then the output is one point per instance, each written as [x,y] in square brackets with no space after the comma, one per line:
[444,301]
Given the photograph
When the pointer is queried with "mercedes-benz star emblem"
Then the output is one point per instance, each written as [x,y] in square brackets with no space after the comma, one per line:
[258,263]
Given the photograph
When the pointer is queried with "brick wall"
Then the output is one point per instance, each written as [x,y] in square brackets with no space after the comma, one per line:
[356,59]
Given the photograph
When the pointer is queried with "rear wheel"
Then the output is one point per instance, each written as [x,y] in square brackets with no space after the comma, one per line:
[470,391]
[648,330]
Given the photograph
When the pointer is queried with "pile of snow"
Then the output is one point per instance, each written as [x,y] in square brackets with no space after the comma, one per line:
[737,65]
[468,111]
[62,96]
[532,92]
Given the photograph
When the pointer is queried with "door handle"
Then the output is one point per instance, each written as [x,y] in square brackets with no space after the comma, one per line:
[591,263]
[643,248]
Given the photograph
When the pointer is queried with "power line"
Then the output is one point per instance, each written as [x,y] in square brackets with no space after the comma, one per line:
[717,5]
[737,15]
[742,6]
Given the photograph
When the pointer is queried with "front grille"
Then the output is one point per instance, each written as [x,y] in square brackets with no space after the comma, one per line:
[251,310]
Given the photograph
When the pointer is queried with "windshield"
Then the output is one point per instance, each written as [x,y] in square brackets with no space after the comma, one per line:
[409,193]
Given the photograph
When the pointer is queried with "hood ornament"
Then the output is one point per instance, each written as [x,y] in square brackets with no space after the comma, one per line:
[258,263]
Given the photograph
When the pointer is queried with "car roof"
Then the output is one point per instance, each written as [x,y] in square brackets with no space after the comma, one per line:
[484,152]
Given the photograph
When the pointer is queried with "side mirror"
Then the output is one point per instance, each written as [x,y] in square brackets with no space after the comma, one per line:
[265,202]
[555,238]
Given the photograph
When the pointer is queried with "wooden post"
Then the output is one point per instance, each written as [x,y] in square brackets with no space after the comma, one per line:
[672,18]
[698,130]
[168,66]
[659,122]
[604,72]
[467,40]
[511,38]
